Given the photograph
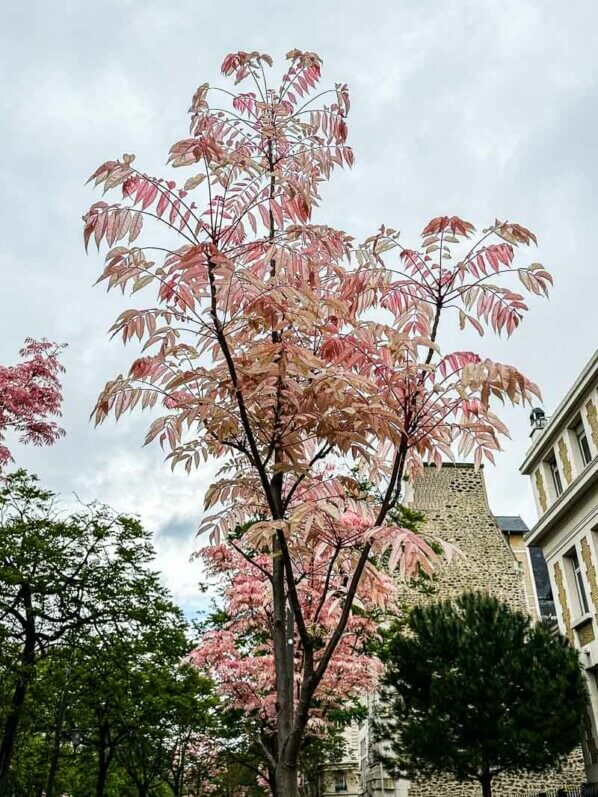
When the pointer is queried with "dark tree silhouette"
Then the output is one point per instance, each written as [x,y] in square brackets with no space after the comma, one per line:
[475,689]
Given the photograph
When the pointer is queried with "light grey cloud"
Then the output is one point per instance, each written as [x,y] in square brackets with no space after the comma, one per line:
[479,109]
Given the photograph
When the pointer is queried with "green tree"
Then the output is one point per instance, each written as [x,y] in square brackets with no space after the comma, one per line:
[475,689]
[102,699]
[90,641]
[130,696]
[171,709]
[58,574]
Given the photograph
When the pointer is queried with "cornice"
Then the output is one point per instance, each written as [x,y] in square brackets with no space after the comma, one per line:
[567,407]
[564,503]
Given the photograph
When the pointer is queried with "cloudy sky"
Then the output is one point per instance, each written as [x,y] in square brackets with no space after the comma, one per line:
[480,108]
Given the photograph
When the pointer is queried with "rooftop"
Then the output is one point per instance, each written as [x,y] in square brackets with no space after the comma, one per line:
[511,524]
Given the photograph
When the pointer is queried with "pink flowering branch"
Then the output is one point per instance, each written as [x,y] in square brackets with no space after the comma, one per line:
[30,394]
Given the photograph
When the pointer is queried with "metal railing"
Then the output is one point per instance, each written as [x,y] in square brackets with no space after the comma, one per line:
[586,790]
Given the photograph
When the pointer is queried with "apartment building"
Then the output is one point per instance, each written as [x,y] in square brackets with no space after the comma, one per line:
[562,464]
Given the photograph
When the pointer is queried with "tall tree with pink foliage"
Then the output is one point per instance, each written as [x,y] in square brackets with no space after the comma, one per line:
[305,364]
[30,394]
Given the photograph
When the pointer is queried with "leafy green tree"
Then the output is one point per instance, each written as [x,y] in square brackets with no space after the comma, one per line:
[90,649]
[58,574]
[130,695]
[171,710]
[102,699]
[475,689]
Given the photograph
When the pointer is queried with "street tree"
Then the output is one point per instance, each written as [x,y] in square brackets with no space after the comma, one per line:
[474,689]
[276,346]
[62,577]
[117,667]
[170,712]
[30,394]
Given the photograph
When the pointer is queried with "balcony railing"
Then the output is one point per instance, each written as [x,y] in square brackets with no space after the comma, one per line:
[586,790]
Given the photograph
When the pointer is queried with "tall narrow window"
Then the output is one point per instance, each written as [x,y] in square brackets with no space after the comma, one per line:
[542,582]
[556,476]
[582,442]
[340,782]
[580,590]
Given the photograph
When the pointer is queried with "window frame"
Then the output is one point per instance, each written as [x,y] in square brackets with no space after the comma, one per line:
[581,594]
[555,473]
[581,434]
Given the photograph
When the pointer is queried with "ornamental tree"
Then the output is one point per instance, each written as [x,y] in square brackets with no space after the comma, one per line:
[475,689]
[30,393]
[235,648]
[276,346]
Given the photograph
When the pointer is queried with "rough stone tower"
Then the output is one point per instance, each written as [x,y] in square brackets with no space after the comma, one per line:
[453,500]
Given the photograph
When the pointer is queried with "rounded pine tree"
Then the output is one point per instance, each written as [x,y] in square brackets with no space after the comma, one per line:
[475,689]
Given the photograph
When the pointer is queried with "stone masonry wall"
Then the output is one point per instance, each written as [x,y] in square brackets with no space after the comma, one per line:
[453,499]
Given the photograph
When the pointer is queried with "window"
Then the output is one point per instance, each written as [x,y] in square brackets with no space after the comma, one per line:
[582,442]
[340,782]
[580,590]
[556,476]
[542,582]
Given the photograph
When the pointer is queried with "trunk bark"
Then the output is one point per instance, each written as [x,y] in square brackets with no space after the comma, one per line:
[286,780]
[102,778]
[11,726]
[486,781]
[57,736]
[178,772]
[54,761]
[284,631]
[286,771]
[104,758]
[272,781]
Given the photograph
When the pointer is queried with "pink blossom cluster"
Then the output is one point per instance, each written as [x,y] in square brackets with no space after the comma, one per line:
[30,393]
[240,656]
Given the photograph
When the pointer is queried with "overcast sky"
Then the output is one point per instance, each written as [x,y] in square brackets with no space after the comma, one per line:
[479,108]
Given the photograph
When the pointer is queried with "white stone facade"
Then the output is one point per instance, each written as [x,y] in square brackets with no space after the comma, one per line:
[562,464]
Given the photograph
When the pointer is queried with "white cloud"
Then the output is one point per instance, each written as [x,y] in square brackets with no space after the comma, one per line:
[481,110]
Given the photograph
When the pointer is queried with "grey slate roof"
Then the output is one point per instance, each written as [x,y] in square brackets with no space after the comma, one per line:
[511,524]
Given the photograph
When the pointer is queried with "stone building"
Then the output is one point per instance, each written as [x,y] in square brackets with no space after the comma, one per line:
[453,499]
[344,777]
[562,463]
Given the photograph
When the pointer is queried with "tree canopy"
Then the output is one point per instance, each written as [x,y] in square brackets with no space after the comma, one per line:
[474,688]
[30,394]
[283,349]
[90,642]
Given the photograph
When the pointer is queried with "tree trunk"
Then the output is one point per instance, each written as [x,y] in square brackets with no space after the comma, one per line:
[286,780]
[60,712]
[177,772]
[24,678]
[11,727]
[486,781]
[284,661]
[272,781]
[54,760]
[55,755]
[102,778]
[104,759]
[286,771]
